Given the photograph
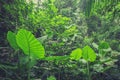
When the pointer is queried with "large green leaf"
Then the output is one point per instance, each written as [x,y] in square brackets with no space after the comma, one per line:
[76,54]
[29,44]
[11,37]
[89,54]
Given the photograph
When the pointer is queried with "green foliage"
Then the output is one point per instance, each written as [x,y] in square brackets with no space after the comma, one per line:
[51,78]
[63,28]
[92,5]
[89,54]
[106,57]
[76,54]
[103,45]
[56,58]
[19,12]
[29,44]
[103,48]
[11,37]
[24,61]
[31,47]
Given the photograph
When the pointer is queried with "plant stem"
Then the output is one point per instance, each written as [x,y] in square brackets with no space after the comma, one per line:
[29,70]
[18,54]
[88,71]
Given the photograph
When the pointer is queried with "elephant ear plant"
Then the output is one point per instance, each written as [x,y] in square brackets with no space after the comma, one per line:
[31,47]
[88,54]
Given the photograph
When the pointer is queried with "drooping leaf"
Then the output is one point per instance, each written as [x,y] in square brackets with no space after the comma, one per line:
[76,54]
[89,54]
[29,44]
[11,37]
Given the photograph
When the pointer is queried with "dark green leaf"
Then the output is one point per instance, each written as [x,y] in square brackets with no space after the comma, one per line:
[103,45]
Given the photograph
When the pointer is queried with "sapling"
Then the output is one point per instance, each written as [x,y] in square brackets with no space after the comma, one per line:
[88,55]
[31,47]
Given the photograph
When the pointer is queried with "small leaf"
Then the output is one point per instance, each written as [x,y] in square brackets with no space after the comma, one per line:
[51,78]
[29,44]
[11,37]
[89,54]
[103,48]
[76,54]
[95,45]
[103,45]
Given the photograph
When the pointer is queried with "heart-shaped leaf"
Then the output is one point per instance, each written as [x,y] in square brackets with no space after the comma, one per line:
[76,54]
[29,44]
[89,54]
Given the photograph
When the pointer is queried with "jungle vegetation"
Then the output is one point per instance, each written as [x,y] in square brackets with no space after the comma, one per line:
[59,39]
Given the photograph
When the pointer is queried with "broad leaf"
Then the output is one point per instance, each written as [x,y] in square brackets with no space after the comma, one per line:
[29,44]
[76,54]
[11,37]
[89,54]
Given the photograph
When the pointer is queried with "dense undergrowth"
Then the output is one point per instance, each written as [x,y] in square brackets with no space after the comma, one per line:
[59,40]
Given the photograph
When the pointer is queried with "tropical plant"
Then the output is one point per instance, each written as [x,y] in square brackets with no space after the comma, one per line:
[88,54]
[63,27]
[31,47]
[104,59]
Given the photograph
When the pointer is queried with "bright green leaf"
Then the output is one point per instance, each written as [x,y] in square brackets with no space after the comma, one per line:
[11,37]
[29,44]
[51,78]
[76,54]
[89,54]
